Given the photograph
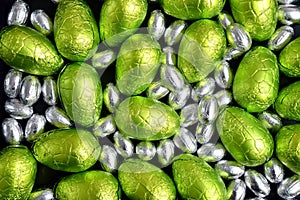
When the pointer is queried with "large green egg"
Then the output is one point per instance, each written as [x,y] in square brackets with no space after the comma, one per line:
[69,150]
[195,179]
[76,32]
[142,180]
[146,119]
[120,18]
[288,147]
[257,16]
[17,171]
[94,185]
[202,44]
[27,50]
[137,64]
[80,92]
[289,59]
[256,82]
[287,104]
[192,9]
[244,137]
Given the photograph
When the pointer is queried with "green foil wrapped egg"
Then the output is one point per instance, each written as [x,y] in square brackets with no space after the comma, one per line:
[142,180]
[146,119]
[202,44]
[258,17]
[288,147]
[70,150]
[76,32]
[81,93]
[17,171]
[89,185]
[192,9]
[137,64]
[256,83]
[120,18]
[287,104]
[29,51]
[195,179]
[244,137]
[289,59]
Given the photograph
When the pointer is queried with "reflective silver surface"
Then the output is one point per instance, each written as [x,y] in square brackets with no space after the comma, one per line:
[274,171]
[179,98]
[229,169]
[257,183]
[171,78]
[232,52]
[211,152]
[111,97]
[174,32]
[145,150]
[41,22]
[189,115]
[204,132]
[108,158]
[288,14]
[224,97]
[156,90]
[290,187]
[49,90]
[12,131]
[169,57]
[185,141]
[34,127]
[57,117]
[156,24]
[105,126]
[204,87]
[225,19]
[30,90]
[46,194]
[208,109]
[236,190]
[223,74]
[123,145]
[165,151]
[270,120]
[12,83]
[281,38]
[103,59]
[16,109]
[238,37]
[18,13]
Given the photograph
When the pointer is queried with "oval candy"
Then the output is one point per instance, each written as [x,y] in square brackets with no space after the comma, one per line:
[76,35]
[137,64]
[146,119]
[27,50]
[244,137]
[17,171]
[287,103]
[120,18]
[206,39]
[94,184]
[80,150]
[289,59]
[81,93]
[255,87]
[287,147]
[192,9]
[258,17]
[195,179]
[142,180]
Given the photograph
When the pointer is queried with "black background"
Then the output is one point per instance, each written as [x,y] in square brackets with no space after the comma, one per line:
[47,177]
